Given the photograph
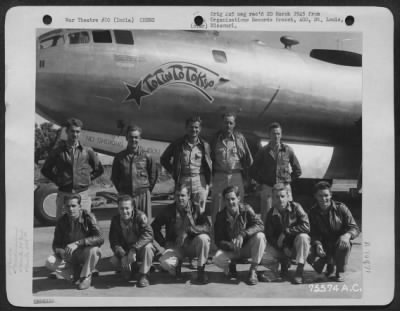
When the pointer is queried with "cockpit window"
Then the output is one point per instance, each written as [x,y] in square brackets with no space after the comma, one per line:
[219,56]
[52,41]
[79,37]
[102,36]
[123,36]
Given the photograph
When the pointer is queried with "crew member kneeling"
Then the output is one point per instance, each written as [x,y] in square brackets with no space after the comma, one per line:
[286,228]
[131,239]
[332,229]
[238,234]
[76,243]
[187,234]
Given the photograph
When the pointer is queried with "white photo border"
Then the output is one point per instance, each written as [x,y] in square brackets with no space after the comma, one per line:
[377,26]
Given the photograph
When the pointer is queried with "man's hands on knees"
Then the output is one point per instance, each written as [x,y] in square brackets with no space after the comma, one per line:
[119,251]
[238,242]
[128,259]
[132,255]
[344,241]
[70,248]
[124,263]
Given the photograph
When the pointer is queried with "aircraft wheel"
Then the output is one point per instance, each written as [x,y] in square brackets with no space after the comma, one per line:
[45,204]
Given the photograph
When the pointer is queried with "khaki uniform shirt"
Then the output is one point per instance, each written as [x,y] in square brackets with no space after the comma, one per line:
[226,156]
[192,159]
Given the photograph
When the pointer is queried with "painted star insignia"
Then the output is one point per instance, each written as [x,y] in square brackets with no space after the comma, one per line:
[136,93]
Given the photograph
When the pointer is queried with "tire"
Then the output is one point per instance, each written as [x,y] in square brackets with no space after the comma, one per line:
[45,204]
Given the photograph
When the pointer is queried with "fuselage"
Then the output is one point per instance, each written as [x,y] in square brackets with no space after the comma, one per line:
[157,79]
[315,101]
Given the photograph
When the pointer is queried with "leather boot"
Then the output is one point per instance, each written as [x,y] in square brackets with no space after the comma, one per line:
[232,270]
[253,279]
[298,277]
[201,275]
[143,280]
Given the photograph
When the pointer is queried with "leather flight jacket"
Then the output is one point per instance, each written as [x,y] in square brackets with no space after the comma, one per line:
[292,222]
[87,224]
[270,169]
[72,174]
[141,229]
[250,222]
[167,218]
[340,221]
[134,173]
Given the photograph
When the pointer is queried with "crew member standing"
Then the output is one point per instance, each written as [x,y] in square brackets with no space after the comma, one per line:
[231,159]
[134,172]
[188,160]
[274,163]
[72,167]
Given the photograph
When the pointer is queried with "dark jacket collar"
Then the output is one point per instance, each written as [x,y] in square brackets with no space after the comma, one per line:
[289,209]
[174,208]
[242,209]
[140,151]
[220,133]
[66,146]
[132,219]
[282,146]
[81,217]
[200,140]
[333,207]
[186,140]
